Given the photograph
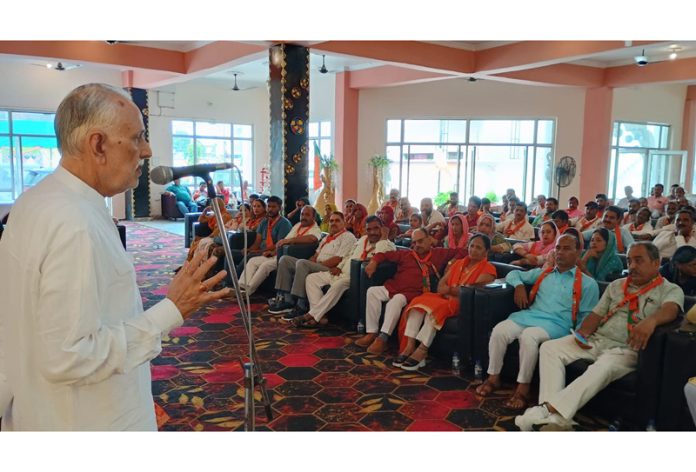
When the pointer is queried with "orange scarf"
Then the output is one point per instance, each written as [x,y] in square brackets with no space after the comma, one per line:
[366,252]
[633,227]
[301,232]
[619,241]
[632,300]
[587,223]
[425,265]
[269,238]
[509,231]
[330,238]
[462,276]
[577,291]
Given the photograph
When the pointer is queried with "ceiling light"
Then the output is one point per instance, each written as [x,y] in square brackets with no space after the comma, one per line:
[323,68]
[49,66]
[675,49]
[235,88]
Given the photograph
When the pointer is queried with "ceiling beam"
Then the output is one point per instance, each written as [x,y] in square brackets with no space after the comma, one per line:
[412,54]
[389,76]
[559,74]
[680,70]
[218,55]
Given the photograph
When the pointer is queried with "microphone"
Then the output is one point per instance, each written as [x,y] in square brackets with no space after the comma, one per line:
[162,175]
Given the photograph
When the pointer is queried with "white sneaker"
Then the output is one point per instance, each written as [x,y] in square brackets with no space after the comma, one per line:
[532,416]
[556,422]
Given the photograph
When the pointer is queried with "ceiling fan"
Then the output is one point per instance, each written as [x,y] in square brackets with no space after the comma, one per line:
[323,68]
[236,87]
[59,66]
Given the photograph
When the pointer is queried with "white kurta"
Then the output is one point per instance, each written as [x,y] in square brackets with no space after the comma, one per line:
[74,337]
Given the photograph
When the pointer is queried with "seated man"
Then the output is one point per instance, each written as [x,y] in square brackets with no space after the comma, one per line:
[452,206]
[611,221]
[589,221]
[393,202]
[561,219]
[415,269]
[641,229]
[560,298]
[573,211]
[657,201]
[630,215]
[338,278]
[184,201]
[549,209]
[272,229]
[670,215]
[602,203]
[625,201]
[432,219]
[668,241]
[611,336]
[519,227]
[291,297]
[260,267]
[538,205]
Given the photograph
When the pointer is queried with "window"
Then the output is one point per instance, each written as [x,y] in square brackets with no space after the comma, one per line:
[473,157]
[28,151]
[319,134]
[202,142]
[629,164]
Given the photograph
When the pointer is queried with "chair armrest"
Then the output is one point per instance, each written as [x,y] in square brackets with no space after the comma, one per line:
[300,251]
[491,306]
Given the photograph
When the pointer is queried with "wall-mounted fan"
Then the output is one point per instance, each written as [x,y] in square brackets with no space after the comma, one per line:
[565,171]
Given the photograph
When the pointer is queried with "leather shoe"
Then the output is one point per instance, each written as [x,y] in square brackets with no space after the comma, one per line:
[411,364]
[366,340]
[399,360]
[378,346]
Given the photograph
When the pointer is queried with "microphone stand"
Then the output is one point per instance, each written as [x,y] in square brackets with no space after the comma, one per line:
[252,369]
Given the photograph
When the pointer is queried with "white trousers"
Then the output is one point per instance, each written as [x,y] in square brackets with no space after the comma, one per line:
[319,302]
[609,365]
[375,296]
[257,269]
[506,332]
[690,392]
[420,326]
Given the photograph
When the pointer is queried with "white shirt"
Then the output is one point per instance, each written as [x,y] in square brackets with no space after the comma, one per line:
[646,229]
[72,325]
[435,217]
[312,231]
[668,242]
[383,245]
[338,247]
[525,233]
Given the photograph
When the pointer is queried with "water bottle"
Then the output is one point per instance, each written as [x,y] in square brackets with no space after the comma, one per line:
[361,327]
[615,425]
[455,364]
[478,370]
[651,426]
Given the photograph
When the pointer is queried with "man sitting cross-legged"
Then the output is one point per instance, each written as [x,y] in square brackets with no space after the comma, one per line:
[338,278]
[291,297]
[413,274]
[618,327]
[561,297]
[260,267]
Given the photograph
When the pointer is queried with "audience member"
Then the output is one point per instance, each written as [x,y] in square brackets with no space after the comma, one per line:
[413,277]
[641,229]
[610,220]
[223,192]
[391,229]
[602,204]
[670,215]
[601,259]
[184,200]
[560,219]
[486,225]
[405,210]
[473,211]
[451,206]
[543,216]
[509,209]
[338,278]
[519,227]
[657,201]
[614,332]
[485,206]
[393,201]
[624,202]
[328,209]
[357,224]
[427,313]
[200,196]
[630,214]
[457,232]
[560,299]
[258,214]
[538,206]
[681,269]
[573,210]
[668,241]
[533,254]
[291,276]
[433,220]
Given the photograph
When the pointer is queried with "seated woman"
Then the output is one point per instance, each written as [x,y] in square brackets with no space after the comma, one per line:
[391,229]
[681,269]
[328,209]
[457,232]
[258,213]
[486,225]
[243,212]
[405,210]
[601,258]
[427,313]
[533,254]
[357,223]
[404,239]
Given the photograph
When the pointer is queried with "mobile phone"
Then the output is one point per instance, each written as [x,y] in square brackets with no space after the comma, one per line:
[579,337]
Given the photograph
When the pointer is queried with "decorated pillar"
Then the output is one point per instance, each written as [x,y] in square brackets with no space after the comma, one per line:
[140,196]
[289,96]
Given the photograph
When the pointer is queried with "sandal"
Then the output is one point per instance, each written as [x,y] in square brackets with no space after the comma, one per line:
[486,388]
[516,402]
[307,321]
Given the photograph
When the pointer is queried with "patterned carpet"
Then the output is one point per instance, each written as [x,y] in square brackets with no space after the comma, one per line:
[318,380]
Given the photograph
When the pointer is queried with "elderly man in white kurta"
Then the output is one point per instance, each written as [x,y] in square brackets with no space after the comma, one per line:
[74,339]
[292,272]
[338,278]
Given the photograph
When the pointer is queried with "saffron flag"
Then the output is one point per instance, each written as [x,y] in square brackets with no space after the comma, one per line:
[317,166]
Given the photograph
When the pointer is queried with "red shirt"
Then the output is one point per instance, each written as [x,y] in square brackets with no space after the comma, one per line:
[408,279]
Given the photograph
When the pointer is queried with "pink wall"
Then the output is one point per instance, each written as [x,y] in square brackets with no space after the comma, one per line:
[346,142]
[596,143]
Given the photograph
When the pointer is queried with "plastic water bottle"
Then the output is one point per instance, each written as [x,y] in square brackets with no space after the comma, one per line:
[455,364]
[478,370]
[651,426]
[615,425]
[361,327]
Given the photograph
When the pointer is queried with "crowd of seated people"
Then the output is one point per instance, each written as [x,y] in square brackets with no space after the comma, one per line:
[563,253]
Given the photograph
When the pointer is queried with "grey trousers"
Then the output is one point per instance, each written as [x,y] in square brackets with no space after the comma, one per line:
[292,273]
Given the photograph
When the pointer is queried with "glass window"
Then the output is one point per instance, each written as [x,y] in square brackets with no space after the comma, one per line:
[326,128]
[319,134]
[182,127]
[221,130]
[631,143]
[424,169]
[242,131]
[28,151]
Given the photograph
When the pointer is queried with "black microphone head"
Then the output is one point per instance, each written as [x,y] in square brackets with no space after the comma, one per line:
[161,175]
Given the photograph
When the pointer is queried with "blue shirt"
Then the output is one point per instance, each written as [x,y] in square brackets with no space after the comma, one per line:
[279,231]
[552,307]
